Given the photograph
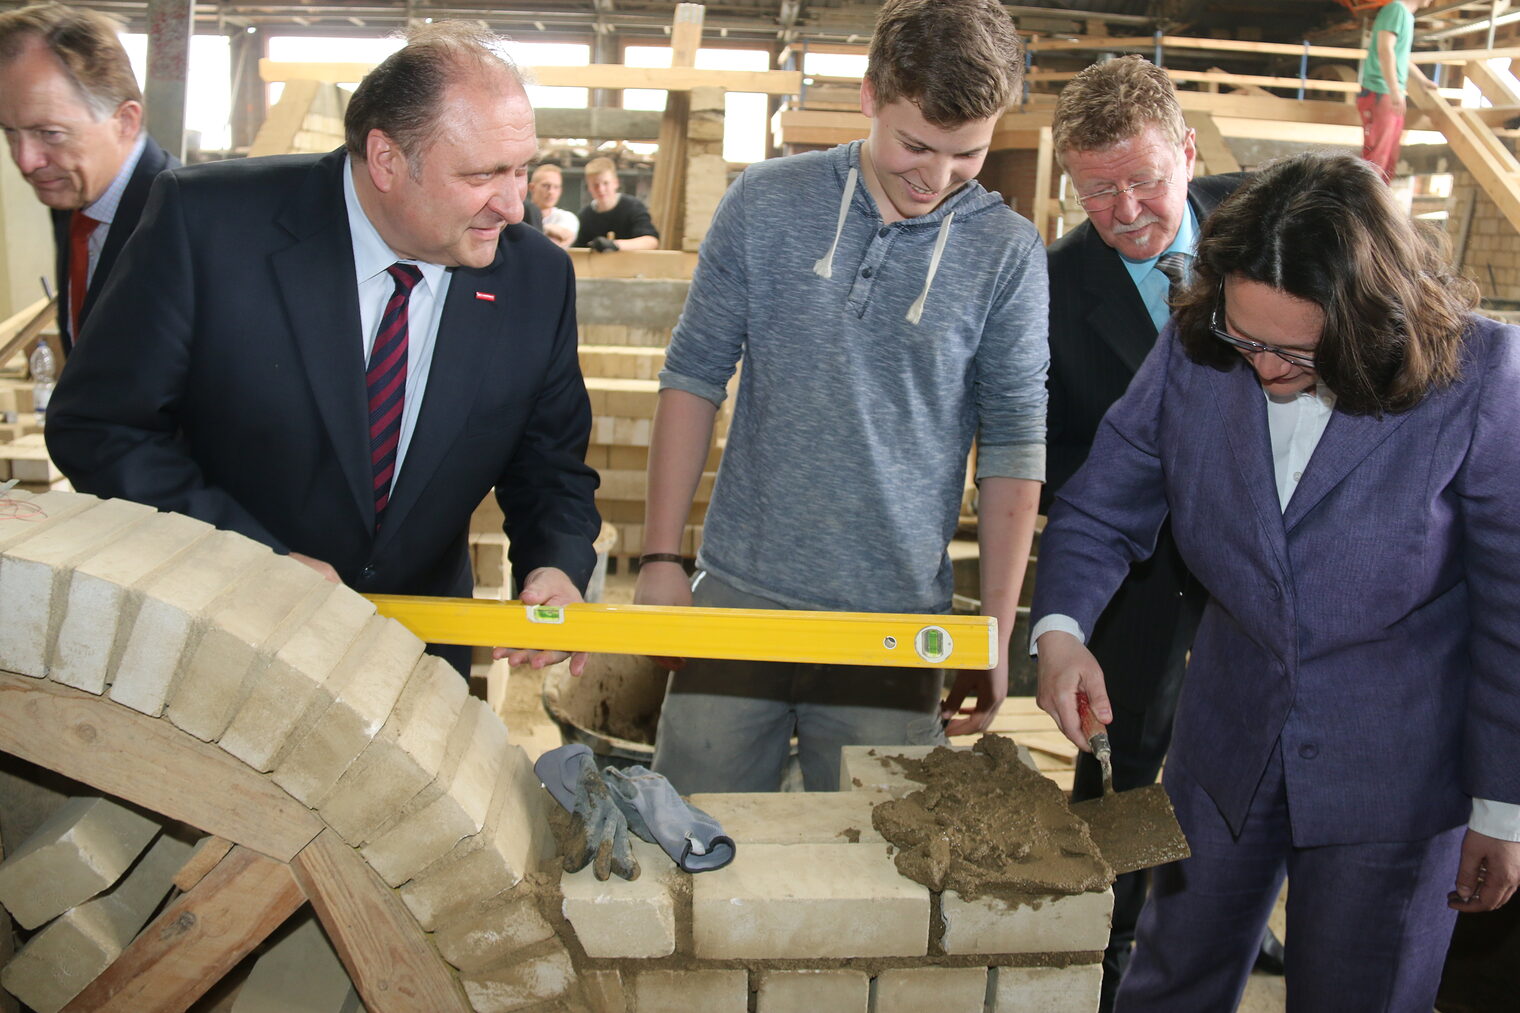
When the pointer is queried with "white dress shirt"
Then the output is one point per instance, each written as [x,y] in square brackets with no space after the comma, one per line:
[105,207]
[372,256]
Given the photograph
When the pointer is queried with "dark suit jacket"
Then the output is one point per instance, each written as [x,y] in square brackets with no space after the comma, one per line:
[221,375]
[1100,332]
[1372,628]
[153,161]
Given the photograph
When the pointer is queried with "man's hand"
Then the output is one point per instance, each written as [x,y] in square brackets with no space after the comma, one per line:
[325,569]
[1067,667]
[602,244]
[546,585]
[988,688]
[1396,102]
[663,584]
[1487,875]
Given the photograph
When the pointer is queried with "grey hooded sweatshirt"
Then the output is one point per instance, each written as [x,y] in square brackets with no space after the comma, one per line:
[872,355]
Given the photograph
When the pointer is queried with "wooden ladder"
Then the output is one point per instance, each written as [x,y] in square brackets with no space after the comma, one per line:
[1492,165]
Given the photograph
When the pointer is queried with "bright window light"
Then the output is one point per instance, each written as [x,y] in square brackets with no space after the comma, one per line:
[208,90]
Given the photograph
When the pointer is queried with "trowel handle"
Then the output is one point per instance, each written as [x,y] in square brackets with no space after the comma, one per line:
[1093,730]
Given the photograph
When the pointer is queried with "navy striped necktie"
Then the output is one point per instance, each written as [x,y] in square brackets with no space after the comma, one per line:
[1174,266]
[386,379]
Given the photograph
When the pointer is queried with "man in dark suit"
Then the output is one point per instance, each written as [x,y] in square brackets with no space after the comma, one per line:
[1121,138]
[73,115]
[339,355]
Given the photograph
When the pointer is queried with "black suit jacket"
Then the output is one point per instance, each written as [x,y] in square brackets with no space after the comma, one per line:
[221,375]
[1100,332]
[154,160]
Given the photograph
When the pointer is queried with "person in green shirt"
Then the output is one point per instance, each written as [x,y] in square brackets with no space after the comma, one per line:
[1382,100]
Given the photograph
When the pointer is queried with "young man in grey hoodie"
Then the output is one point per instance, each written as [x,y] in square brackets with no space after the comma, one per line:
[887,309]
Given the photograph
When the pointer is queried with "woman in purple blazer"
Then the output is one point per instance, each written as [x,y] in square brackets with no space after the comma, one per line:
[1334,436]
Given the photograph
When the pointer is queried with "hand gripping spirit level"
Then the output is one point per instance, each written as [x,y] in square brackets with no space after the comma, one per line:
[834,638]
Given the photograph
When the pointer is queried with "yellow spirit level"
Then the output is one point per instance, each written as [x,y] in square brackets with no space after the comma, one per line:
[835,638]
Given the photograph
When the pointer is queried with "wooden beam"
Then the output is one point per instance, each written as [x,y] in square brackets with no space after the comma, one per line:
[1214,77]
[633,264]
[199,937]
[667,191]
[209,852]
[1499,88]
[1044,170]
[1146,43]
[1212,149]
[392,963]
[599,123]
[596,75]
[21,328]
[1464,55]
[149,762]
[1492,165]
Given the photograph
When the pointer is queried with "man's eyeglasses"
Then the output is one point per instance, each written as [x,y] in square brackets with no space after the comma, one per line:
[1253,347]
[1147,189]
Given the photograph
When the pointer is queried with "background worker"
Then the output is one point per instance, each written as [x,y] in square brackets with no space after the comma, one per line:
[887,309]
[545,187]
[73,118]
[1121,138]
[1383,100]
[613,220]
[341,355]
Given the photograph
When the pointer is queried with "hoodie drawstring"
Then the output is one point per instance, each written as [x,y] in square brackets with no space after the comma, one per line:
[916,311]
[825,268]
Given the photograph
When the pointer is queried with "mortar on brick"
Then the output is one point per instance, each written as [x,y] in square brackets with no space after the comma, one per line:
[281,690]
[172,617]
[942,989]
[809,901]
[517,984]
[349,711]
[34,574]
[603,991]
[80,850]
[403,758]
[621,918]
[795,817]
[487,936]
[1038,924]
[246,625]
[709,991]
[873,768]
[1071,989]
[104,593]
[838,991]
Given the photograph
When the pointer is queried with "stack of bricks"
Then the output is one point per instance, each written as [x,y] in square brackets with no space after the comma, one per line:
[297,678]
[25,459]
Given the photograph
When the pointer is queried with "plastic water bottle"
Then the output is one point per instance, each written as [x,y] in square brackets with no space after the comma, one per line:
[44,373]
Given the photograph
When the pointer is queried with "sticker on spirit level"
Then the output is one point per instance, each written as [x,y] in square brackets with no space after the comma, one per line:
[545,613]
[933,644]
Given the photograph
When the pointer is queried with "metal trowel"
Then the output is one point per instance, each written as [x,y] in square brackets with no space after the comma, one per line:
[1133,829]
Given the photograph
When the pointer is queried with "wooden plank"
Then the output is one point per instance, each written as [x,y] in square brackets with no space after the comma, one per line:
[392,963]
[1216,154]
[634,264]
[208,853]
[277,134]
[1146,43]
[595,75]
[1044,170]
[151,763]
[1465,55]
[667,192]
[21,328]
[198,938]
[1494,171]
[1499,88]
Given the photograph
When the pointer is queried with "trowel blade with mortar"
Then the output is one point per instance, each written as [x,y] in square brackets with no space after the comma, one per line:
[1133,829]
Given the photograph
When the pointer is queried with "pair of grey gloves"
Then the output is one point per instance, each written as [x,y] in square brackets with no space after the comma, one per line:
[605,805]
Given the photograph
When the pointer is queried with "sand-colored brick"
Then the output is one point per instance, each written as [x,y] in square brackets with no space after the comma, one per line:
[403,758]
[280,691]
[518,984]
[105,591]
[619,918]
[299,973]
[33,574]
[838,991]
[80,850]
[488,935]
[1071,989]
[941,989]
[709,991]
[795,817]
[809,901]
[1038,924]
[245,626]
[349,711]
[172,614]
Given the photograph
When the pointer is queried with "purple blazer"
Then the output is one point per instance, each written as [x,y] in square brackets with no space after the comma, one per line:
[1373,627]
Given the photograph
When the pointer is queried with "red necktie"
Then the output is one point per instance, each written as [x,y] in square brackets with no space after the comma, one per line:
[386,379]
[81,226]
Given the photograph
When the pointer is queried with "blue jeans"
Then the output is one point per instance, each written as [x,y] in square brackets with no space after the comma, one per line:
[726,726]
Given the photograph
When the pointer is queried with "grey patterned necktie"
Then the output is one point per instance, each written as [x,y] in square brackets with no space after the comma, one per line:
[1174,266]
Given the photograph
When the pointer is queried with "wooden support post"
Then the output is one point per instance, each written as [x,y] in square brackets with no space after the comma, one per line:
[1212,149]
[207,856]
[390,960]
[198,938]
[21,329]
[1044,167]
[668,192]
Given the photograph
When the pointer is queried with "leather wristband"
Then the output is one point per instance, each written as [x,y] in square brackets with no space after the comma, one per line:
[661,557]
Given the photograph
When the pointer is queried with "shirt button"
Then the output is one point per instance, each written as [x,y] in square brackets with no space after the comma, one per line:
[865,272]
[1273,591]
[1308,752]
[882,232]
[1297,475]
[368,573]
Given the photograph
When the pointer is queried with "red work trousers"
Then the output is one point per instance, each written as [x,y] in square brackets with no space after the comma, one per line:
[1382,129]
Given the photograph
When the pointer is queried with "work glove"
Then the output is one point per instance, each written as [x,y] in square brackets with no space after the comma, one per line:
[658,814]
[601,244]
[598,829]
